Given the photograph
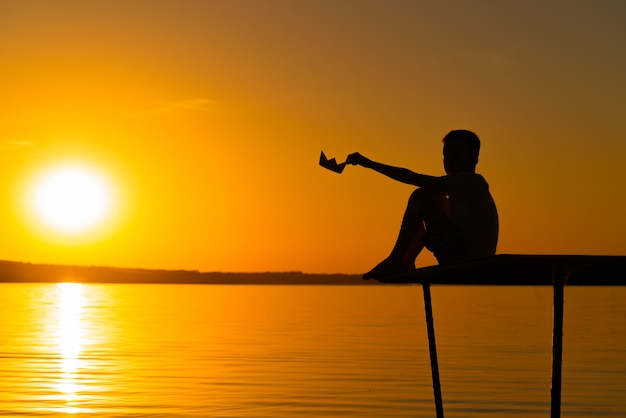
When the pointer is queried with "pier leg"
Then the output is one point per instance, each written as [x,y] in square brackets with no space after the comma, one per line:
[432,346]
[559,277]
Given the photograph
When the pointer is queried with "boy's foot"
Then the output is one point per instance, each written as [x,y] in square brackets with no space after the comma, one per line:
[387,267]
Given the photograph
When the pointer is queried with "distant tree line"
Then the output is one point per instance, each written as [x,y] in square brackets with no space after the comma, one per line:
[18,272]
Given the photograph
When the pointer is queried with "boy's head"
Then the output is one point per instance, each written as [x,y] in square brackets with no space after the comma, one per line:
[460,151]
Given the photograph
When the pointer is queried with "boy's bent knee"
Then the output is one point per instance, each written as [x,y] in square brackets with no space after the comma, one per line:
[427,204]
[422,195]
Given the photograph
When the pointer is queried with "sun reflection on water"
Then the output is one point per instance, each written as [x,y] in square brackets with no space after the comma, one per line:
[70,338]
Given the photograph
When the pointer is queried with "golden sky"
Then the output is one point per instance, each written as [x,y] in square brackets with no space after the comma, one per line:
[206,119]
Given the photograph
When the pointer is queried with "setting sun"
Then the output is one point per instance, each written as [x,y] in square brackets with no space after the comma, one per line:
[71,200]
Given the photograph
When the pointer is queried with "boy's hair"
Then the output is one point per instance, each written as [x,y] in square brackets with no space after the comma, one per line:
[463,136]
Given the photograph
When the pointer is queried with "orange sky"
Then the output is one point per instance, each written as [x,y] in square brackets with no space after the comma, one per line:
[208,118]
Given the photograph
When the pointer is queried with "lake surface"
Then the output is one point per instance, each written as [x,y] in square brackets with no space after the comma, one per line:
[287,351]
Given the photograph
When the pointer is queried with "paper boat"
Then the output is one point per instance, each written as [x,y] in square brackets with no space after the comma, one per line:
[331,164]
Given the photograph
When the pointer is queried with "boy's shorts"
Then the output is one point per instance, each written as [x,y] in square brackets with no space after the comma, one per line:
[445,240]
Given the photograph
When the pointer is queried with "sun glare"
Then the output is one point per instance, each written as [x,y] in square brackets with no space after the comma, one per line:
[71,200]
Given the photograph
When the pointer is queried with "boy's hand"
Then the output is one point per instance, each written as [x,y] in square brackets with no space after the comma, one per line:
[355,159]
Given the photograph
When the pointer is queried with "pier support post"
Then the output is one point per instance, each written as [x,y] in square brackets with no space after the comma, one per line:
[432,347]
[559,277]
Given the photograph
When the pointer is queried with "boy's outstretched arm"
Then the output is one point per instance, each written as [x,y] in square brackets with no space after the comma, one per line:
[400,174]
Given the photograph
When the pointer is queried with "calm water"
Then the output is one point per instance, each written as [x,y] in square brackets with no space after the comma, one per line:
[286,351]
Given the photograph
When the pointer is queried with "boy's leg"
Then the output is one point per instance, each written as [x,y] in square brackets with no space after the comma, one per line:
[423,208]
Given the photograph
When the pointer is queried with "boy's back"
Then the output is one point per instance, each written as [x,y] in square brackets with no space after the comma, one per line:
[472,209]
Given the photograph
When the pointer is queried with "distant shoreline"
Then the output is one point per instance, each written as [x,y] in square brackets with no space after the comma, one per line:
[21,272]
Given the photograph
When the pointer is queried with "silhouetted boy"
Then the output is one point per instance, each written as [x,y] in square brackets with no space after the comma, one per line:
[453,216]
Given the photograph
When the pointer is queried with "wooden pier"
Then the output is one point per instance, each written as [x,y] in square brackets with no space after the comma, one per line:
[517,269]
